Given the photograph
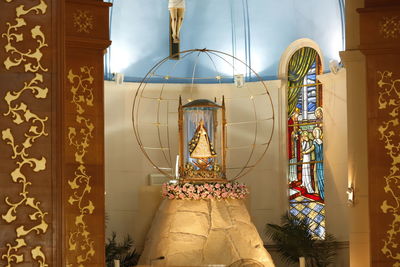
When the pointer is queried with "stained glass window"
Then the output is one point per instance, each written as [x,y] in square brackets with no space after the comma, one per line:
[305,140]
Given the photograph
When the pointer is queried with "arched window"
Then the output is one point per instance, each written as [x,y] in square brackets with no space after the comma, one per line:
[305,139]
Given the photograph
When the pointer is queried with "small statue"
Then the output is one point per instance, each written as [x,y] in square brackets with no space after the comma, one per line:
[200,147]
[176,11]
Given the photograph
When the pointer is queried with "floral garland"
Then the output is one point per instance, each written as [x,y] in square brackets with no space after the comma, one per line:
[205,191]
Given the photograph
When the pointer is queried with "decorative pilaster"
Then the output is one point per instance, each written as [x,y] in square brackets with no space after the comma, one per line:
[380,42]
[51,132]
[26,208]
[87,37]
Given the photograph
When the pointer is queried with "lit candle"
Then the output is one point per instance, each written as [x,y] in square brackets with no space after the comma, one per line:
[302,262]
[116,263]
[177,167]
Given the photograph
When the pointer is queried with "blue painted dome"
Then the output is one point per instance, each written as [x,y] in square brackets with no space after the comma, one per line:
[255,31]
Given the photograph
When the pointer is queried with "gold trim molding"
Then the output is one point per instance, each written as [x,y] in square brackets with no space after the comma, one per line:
[22,115]
[389,102]
[79,138]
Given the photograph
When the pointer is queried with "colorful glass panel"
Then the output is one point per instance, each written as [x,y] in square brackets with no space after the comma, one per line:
[305,152]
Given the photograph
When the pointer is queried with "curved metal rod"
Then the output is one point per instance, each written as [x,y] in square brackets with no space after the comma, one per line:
[238,175]
[162,90]
[135,113]
[194,71]
[158,116]
[272,106]
[137,100]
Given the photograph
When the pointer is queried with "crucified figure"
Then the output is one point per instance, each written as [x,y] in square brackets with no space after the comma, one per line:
[176,11]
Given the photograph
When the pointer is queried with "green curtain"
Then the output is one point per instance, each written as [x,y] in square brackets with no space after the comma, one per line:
[299,65]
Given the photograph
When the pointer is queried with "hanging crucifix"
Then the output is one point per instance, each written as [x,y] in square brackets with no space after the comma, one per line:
[176,12]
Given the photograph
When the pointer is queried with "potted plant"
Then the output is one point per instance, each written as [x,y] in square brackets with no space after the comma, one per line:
[121,251]
[294,240]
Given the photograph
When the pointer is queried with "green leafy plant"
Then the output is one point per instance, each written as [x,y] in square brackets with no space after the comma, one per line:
[121,251]
[294,240]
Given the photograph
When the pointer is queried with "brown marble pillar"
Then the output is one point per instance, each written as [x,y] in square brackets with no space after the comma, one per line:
[51,132]
[380,42]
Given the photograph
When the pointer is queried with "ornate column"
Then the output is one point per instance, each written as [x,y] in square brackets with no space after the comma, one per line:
[87,37]
[28,89]
[380,42]
[51,132]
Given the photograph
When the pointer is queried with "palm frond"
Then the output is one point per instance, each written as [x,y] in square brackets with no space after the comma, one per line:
[294,239]
[121,251]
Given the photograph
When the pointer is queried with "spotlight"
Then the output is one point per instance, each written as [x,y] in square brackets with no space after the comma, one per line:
[335,66]
[239,80]
[350,196]
[118,77]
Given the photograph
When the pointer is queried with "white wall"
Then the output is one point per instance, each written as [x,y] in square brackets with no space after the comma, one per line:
[336,160]
[131,202]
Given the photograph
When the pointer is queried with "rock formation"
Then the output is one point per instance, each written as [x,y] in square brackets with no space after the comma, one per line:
[203,232]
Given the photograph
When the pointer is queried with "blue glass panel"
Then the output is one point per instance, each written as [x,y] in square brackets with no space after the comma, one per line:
[318,208]
[294,212]
[306,211]
[293,201]
[311,91]
[319,218]
[312,76]
[309,81]
[311,106]
[320,231]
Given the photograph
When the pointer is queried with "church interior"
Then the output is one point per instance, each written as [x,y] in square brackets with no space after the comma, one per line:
[199,133]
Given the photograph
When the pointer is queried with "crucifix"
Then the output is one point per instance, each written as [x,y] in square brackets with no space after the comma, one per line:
[176,12]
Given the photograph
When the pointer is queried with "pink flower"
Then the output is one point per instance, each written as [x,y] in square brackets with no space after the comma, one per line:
[204,191]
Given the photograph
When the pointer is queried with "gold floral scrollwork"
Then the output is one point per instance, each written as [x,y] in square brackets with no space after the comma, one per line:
[38,255]
[79,239]
[31,57]
[389,102]
[83,21]
[34,127]
[389,27]
[20,113]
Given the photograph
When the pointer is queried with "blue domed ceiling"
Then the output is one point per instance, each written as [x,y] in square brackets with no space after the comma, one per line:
[255,31]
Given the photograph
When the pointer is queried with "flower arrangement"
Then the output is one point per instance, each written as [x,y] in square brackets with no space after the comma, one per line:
[233,190]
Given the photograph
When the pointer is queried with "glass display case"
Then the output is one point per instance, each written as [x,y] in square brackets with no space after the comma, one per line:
[202,141]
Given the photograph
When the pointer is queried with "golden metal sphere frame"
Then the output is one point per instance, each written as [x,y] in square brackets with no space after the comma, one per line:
[139,92]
